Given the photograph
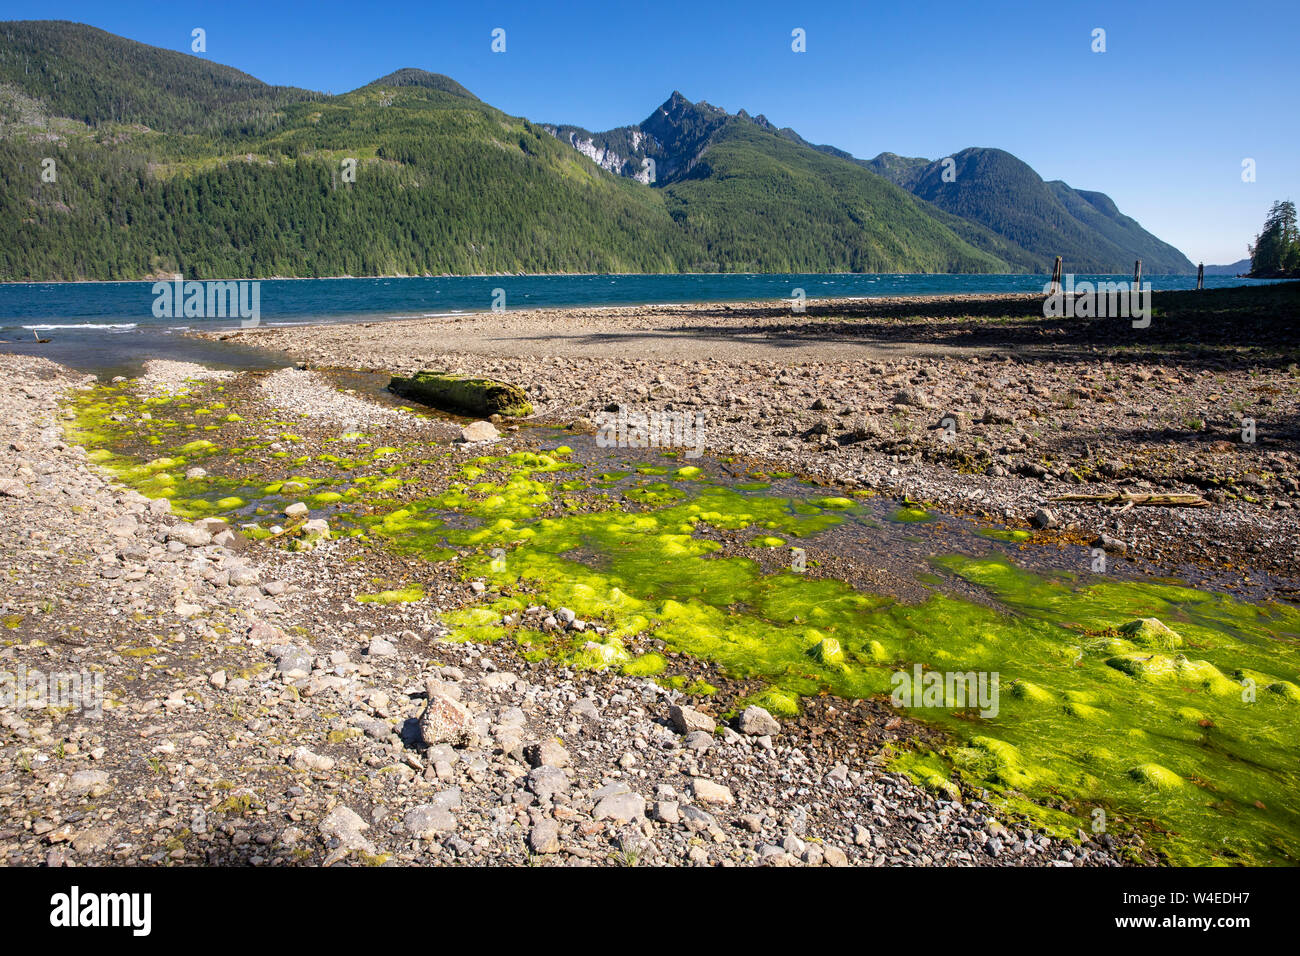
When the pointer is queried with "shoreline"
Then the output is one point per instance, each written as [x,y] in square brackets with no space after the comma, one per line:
[1038,426]
[583,275]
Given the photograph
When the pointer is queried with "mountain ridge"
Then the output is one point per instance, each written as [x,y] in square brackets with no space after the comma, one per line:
[1085,227]
[447,183]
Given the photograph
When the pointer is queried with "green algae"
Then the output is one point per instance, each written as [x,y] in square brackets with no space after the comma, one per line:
[647,665]
[1005,534]
[394,596]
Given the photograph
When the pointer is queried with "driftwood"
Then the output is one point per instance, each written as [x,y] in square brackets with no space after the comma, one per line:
[1129,500]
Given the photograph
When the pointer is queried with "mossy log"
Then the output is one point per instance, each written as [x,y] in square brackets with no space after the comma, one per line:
[466,396]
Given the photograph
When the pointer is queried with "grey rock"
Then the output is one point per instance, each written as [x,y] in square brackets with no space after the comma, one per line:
[547,781]
[622,807]
[687,719]
[428,821]
[755,721]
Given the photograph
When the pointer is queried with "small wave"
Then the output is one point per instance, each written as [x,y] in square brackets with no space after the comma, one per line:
[110,327]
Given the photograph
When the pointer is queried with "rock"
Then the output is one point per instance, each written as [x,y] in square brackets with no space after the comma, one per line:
[379,647]
[12,488]
[346,826]
[696,819]
[687,719]
[911,397]
[1043,518]
[296,509]
[446,721]
[479,432]
[706,791]
[666,811]
[996,416]
[544,837]
[546,782]
[316,529]
[700,740]
[304,759]
[259,632]
[547,753]
[1109,544]
[122,527]
[90,783]
[621,807]
[834,856]
[755,721]
[188,535]
[428,820]
[293,661]
[92,840]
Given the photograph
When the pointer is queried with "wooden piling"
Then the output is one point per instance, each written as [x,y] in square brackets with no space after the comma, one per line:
[1137,275]
[1056,277]
[1200,276]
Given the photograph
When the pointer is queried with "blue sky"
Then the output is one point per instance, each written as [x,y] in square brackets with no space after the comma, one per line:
[1161,121]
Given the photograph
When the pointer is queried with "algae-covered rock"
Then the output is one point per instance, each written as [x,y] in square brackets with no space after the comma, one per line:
[775,701]
[471,396]
[1163,667]
[1027,691]
[1285,690]
[995,760]
[1152,632]
[1155,776]
[828,651]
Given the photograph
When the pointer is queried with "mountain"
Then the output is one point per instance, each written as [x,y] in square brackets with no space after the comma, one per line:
[737,184]
[96,77]
[996,204]
[1238,268]
[168,163]
[1045,219]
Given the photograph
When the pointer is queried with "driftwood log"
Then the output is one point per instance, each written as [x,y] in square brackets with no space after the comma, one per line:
[1128,500]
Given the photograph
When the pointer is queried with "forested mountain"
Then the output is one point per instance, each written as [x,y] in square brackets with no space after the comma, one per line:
[996,203]
[119,160]
[99,78]
[1045,219]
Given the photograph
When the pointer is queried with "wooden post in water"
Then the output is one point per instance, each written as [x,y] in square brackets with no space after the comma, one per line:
[1200,276]
[1137,275]
[1056,277]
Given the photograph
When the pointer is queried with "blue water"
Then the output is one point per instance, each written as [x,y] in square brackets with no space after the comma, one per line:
[110,326]
[119,306]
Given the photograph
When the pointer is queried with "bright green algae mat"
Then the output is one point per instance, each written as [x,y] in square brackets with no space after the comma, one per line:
[1187,735]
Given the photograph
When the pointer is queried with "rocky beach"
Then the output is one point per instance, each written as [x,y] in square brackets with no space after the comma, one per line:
[287,680]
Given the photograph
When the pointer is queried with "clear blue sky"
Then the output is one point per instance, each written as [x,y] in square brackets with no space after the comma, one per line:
[1161,121]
